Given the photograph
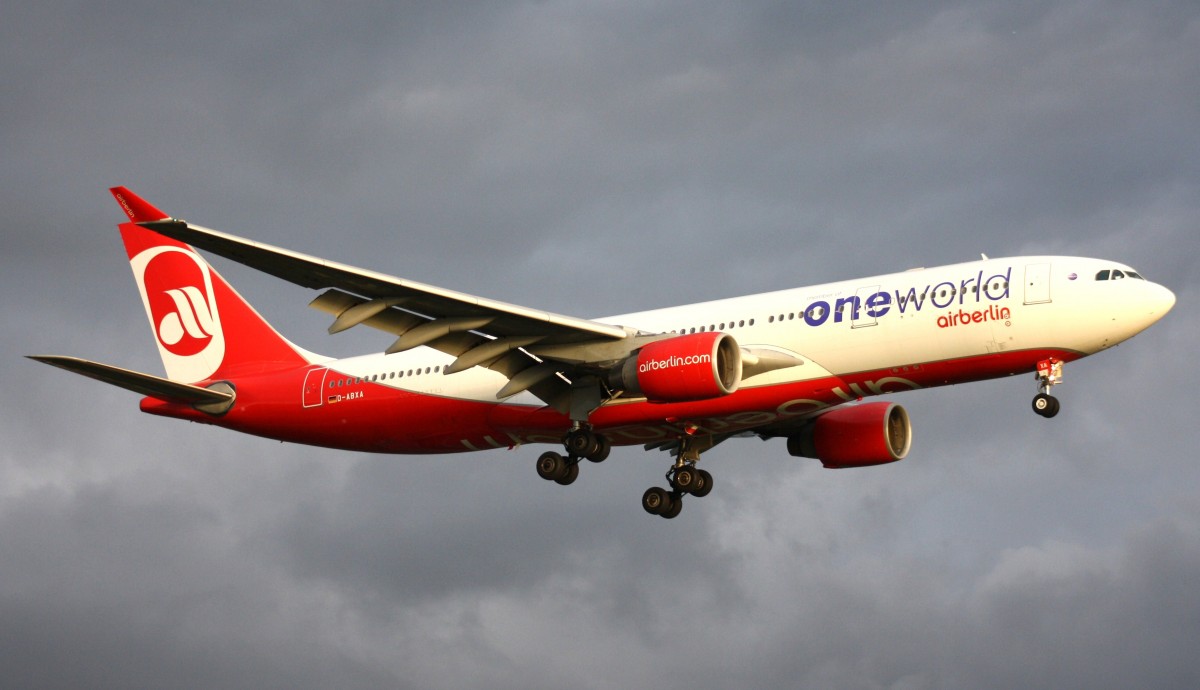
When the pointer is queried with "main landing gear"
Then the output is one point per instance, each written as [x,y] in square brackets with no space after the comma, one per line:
[580,443]
[684,478]
[1049,374]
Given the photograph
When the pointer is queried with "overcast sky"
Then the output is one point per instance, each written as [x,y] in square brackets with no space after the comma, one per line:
[591,159]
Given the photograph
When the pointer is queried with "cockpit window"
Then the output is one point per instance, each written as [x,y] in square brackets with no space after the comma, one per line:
[1117,274]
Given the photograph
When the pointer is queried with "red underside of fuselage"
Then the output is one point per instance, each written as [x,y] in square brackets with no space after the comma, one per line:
[385,419]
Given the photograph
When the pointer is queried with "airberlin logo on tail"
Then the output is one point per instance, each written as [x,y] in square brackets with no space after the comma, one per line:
[192,319]
[177,290]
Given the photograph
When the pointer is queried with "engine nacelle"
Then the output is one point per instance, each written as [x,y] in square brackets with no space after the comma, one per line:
[697,366]
[857,436]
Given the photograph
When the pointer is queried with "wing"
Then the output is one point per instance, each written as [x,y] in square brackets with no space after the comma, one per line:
[477,331]
[384,291]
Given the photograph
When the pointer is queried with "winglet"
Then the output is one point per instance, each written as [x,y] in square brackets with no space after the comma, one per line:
[138,209]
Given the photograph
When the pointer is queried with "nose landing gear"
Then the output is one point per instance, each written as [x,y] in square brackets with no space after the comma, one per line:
[1049,374]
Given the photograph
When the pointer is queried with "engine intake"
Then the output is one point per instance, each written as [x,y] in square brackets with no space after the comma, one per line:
[696,366]
[858,436]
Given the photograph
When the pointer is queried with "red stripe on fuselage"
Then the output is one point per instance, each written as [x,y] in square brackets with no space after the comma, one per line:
[377,418]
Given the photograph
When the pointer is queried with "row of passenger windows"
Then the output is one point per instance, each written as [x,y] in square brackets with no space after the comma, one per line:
[1115,274]
[717,327]
[338,383]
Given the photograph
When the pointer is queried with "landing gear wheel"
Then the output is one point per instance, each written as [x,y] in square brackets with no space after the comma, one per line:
[704,484]
[585,443]
[581,442]
[1045,405]
[656,500]
[685,480]
[552,466]
[569,477]
[603,447]
[676,505]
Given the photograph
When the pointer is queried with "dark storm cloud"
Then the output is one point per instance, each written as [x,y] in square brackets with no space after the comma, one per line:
[594,159]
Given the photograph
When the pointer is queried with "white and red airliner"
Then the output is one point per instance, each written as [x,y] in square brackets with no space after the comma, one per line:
[468,373]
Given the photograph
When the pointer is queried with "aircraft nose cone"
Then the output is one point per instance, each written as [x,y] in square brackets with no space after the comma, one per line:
[1165,298]
[1157,303]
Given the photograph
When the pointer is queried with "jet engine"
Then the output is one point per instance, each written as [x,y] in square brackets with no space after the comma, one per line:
[862,435]
[697,366]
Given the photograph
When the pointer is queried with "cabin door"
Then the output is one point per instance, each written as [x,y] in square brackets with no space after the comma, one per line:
[314,387]
[1037,283]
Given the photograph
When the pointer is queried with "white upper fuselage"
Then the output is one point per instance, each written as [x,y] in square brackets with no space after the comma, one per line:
[893,321]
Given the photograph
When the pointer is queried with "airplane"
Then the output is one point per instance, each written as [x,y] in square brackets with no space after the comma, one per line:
[468,373]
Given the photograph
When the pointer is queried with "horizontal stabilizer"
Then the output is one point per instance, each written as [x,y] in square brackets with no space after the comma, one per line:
[146,384]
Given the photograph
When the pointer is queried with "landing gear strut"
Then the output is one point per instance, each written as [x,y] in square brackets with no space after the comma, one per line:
[1049,374]
[580,443]
[683,477]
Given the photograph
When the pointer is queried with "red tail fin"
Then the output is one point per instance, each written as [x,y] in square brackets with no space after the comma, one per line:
[204,329]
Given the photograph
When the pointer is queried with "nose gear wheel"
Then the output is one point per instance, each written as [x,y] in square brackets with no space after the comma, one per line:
[1049,374]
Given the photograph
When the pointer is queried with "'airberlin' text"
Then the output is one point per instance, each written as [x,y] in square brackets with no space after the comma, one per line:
[672,361]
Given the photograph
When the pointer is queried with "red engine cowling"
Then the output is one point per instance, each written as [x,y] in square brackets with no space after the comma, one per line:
[697,366]
[857,436]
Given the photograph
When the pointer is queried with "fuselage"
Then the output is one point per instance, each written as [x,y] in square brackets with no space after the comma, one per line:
[856,338]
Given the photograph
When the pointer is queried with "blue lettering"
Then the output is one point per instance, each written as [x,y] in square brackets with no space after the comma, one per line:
[905,301]
[842,302]
[878,304]
[938,292]
[941,295]
[817,313]
[997,289]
